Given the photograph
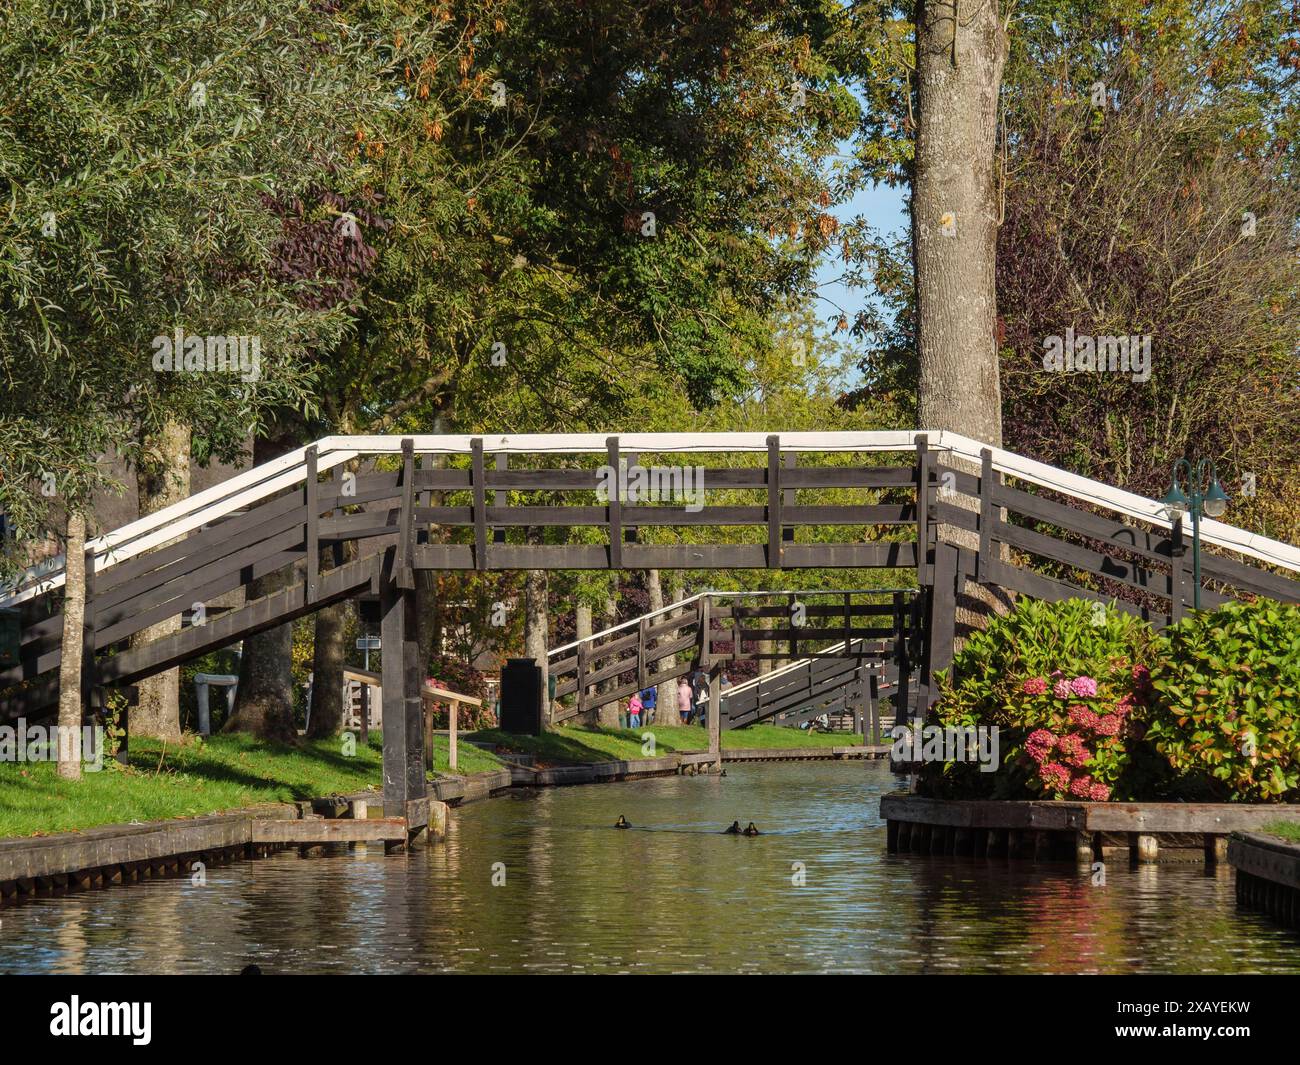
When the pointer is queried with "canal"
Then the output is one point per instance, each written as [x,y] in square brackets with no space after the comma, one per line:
[542,882]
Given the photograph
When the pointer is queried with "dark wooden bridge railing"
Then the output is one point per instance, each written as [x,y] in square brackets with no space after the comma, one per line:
[914,508]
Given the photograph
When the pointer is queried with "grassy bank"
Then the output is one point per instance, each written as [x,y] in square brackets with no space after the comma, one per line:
[199,777]
[1288,830]
[229,772]
[568,744]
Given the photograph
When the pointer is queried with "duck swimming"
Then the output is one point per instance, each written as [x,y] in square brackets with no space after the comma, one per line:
[751,830]
[734,830]
[622,822]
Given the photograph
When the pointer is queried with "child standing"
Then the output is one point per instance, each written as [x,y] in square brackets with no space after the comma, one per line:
[634,711]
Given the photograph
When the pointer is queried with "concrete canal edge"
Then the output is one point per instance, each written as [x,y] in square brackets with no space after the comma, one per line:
[122,854]
[1083,831]
[1268,875]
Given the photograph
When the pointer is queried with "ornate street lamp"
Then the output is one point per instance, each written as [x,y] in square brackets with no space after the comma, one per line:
[1203,495]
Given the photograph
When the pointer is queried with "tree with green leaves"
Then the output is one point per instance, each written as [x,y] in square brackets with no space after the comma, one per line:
[144,150]
[1153,197]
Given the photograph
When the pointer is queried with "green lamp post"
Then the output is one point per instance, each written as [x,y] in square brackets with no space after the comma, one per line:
[1203,494]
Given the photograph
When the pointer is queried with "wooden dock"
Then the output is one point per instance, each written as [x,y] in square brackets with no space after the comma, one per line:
[124,854]
[1268,875]
[1082,831]
[806,754]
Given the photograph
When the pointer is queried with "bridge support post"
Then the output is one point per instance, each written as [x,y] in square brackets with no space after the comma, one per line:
[941,623]
[715,715]
[404,779]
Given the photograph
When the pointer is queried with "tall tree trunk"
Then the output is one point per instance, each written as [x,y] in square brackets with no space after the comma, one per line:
[607,716]
[264,704]
[74,614]
[955,216]
[536,622]
[328,651]
[655,590]
[162,478]
[582,626]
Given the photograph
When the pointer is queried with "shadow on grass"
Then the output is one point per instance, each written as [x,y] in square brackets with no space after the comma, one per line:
[299,771]
[576,745]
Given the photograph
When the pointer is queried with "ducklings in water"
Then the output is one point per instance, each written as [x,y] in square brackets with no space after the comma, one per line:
[734,830]
[622,822]
[751,830]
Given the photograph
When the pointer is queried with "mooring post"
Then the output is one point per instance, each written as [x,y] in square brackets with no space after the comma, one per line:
[715,715]
[404,777]
[452,714]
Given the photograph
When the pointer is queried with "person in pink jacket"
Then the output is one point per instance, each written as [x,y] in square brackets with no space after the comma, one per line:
[684,699]
[634,711]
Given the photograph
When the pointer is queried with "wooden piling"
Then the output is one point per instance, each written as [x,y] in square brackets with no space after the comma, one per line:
[1144,847]
[1083,849]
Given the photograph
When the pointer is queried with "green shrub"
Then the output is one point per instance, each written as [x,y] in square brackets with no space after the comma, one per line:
[1066,684]
[1226,712]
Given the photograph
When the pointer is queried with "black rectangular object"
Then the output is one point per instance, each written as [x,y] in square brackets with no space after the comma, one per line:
[11,635]
[521,697]
[368,610]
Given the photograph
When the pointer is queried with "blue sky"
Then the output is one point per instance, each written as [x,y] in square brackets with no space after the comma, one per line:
[883,208]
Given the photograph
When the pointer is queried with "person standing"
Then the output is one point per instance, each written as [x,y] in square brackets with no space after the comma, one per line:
[649,700]
[634,711]
[685,697]
[701,697]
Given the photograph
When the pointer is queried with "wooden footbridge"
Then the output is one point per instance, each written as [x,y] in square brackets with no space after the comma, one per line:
[841,653]
[937,506]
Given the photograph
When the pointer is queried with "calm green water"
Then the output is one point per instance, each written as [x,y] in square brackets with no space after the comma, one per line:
[673,894]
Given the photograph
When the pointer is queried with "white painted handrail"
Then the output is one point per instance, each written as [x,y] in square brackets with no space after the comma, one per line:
[261,482]
[721,595]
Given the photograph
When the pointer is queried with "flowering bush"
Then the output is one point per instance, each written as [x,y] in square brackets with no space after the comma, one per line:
[1067,684]
[1226,711]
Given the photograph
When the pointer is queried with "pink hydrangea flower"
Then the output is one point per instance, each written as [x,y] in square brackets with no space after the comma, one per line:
[1084,687]
[1142,679]
[1073,751]
[1055,776]
[1108,725]
[1082,717]
[1099,793]
[1061,689]
[1041,738]
[1081,786]
[1034,686]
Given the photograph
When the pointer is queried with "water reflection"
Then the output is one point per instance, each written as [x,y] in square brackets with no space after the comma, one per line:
[672,894]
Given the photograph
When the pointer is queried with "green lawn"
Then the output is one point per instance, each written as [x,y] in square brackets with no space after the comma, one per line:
[579,744]
[201,777]
[1289,830]
[229,772]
